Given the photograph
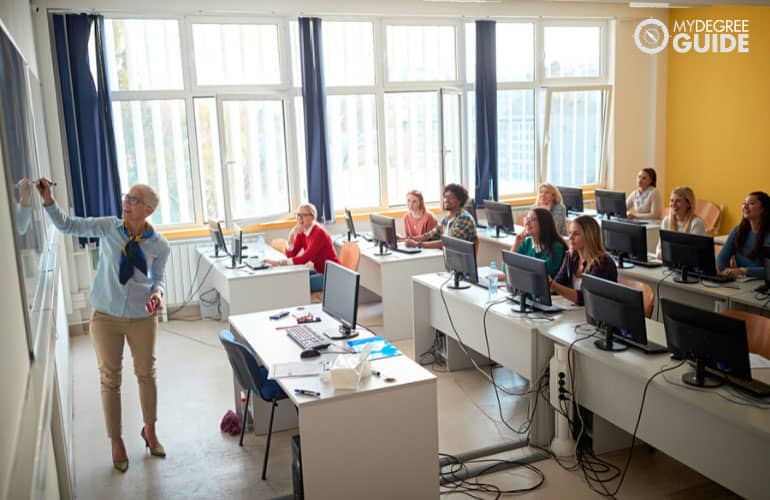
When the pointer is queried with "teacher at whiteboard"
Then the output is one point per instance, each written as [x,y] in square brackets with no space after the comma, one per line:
[129,285]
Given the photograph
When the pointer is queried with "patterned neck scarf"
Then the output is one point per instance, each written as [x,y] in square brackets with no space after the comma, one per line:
[132,256]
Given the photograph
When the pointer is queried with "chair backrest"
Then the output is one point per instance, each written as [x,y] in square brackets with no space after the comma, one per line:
[711,213]
[350,255]
[248,372]
[648,296]
[757,331]
[279,244]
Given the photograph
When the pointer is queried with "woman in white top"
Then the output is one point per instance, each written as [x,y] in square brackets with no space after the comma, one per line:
[644,202]
[682,217]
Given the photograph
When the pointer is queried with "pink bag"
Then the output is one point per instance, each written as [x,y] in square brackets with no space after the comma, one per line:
[231,423]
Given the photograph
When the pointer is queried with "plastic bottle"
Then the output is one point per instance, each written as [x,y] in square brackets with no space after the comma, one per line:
[261,246]
[492,280]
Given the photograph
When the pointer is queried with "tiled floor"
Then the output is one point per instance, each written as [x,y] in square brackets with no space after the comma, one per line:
[195,390]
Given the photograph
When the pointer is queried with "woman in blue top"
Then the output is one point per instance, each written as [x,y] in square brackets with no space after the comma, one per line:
[747,238]
[541,239]
[128,287]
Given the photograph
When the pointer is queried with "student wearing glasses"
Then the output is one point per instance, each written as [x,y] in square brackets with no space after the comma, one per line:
[549,198]
[417,220]
[747,238]
[585,256]
[130,276]
[458,223]
[309,242]
[644,202]
[540,239]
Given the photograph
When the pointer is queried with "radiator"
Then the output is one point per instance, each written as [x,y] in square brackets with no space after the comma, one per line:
[180,271]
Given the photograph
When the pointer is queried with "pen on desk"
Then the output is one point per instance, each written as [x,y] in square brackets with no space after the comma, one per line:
[307,392]
[376,373]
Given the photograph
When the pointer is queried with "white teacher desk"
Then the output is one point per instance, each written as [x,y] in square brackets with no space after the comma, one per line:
[380,442]
[247,291]
[726,442]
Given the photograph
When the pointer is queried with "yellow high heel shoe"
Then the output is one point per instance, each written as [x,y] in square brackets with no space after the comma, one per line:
[122,465]
[155,452]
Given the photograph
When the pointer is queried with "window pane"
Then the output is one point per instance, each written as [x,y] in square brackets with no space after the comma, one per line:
[299,116]
[353,151]
[572,51]
[236,54]
[143,54]
[576,129]
[418,53]
[452,138]
[349,50]
[470,52]
[515,44]
[471,107]
[296,70]
[412,142]
[209,157]
[255,149]
[516,141]
[152,145]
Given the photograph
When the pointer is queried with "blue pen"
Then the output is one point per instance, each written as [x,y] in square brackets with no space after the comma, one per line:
[306,392]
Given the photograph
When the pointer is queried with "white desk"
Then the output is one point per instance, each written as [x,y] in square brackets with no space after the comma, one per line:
[750,300]
[724,441]
[490,248]
[513,339]
[389,277]
[247,291]
[379,442]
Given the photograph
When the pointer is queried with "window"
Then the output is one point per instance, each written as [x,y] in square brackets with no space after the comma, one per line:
[572,51]
[515,43]
[421,53]
[515,141]
[349,53]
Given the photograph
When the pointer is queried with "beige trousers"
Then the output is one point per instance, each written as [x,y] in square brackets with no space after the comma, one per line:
[107,334]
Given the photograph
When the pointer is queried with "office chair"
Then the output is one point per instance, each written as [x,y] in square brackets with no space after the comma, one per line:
[350,255]
[757,331]
[648,296]
[252,377]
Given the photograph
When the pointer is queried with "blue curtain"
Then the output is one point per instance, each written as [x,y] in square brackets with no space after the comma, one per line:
[486,112]
[87,111]
[319,184]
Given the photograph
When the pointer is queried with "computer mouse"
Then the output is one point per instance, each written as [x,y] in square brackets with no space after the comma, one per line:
[310,353]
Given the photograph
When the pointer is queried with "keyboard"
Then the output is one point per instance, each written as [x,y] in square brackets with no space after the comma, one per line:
[719,278]
[405,249]
[536,305]
[365,236]
[649,347]
[631,221]
[752,386]
[256,264]
[307,338]
[646,263]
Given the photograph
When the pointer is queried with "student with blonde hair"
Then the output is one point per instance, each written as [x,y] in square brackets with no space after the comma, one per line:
[417,220]
[682,217]
[549,197]
[585,256]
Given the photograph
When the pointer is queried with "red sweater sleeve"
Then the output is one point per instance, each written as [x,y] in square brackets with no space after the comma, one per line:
[318,248]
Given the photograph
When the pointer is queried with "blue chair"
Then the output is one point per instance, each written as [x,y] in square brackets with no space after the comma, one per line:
[252,377]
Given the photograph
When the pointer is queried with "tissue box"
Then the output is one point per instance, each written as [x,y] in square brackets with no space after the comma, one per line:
[347,370]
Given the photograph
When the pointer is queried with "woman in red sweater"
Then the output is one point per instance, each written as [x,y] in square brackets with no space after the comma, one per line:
[309,242]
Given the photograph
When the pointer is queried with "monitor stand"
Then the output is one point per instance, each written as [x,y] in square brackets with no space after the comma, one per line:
[698,378]
[606,344]
[235,265]
[384,252]
[216,253]
[341,333]
[622,262]
[684,277]
[523,308]
[497,233]
[456,285]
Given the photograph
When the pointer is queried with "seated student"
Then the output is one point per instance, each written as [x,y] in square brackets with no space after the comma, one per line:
[309,242]
[644,202]
[417,220]
[682,217]
[747,238]
[549,197]
[586,256]
[458,223]
[540,239]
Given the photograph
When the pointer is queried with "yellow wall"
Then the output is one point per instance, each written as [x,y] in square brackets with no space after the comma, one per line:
[718,117]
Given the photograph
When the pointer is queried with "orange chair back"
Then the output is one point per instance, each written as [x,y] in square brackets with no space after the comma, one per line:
[350,255]
[648,296]
[711,213]
[757,331]
[279,244]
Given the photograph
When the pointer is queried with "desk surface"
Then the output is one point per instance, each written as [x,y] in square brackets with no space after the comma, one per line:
[664,276]
[220,265]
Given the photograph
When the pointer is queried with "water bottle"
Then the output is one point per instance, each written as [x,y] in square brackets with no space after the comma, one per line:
[261,246]
[492,278]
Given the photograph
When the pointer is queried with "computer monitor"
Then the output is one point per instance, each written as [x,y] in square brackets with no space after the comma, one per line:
[340,299]
[470,207]
[617,310]
[572,198]
[609,203]
[384,232]
[215,230]
[351,227]
[237,253]
[625,240]
[714,341]
[526,277]
[687,253]
[460,259]
[766,263]
[500,216]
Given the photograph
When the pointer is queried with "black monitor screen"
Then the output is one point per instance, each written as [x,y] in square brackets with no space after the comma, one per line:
[625,240]
[215,230]
[470,206]
[460,259]
[611,203]
[384,230]
[766,263]
[712,340]
[349,222]
[340,300]
[688,252]
[617,309]
[499,215]
[572,198]
[527,276]
[238,246]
